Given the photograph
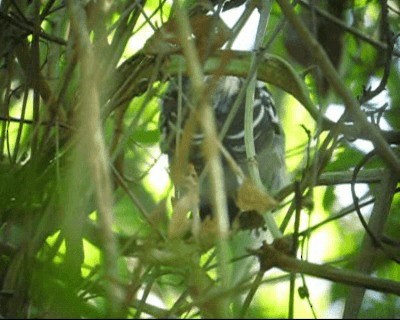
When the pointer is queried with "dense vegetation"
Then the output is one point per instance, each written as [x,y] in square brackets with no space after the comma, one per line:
[90,224]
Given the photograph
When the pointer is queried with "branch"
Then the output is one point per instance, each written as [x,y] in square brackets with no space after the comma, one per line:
[337,177]
[248,124]
[132,77]
[368,92]
[352,30]
[271,257]
[210,148]
[92,149]
[368,252]
[333,77]
[30,29]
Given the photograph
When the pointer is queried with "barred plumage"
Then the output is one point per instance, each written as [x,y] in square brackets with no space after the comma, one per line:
[268,134]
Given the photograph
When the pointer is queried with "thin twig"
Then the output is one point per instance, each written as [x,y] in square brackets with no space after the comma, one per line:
[248,119]
[211,152]
[30,29]
[369,93]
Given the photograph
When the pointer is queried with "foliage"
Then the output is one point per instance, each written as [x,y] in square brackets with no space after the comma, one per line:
[90,224]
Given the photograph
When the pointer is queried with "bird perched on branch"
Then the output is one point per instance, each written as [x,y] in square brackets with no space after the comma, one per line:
[267,131]
[222,94]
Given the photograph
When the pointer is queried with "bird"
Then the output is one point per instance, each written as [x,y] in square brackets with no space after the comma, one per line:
[223,94]
[269,137]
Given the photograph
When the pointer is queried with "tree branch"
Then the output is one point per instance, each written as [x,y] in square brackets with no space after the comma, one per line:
[350,102]
[271,257]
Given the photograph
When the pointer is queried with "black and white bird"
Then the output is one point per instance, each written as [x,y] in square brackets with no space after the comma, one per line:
[269,140]
[268,135]
[269,143]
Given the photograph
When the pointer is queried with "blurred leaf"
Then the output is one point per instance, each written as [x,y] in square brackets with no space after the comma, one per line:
[250,197]
[329,198]
[146,136]
[345,159]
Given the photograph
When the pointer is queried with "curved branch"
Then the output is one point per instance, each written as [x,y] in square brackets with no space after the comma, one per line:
[132,77]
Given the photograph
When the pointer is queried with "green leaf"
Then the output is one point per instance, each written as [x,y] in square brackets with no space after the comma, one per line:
[146,136]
